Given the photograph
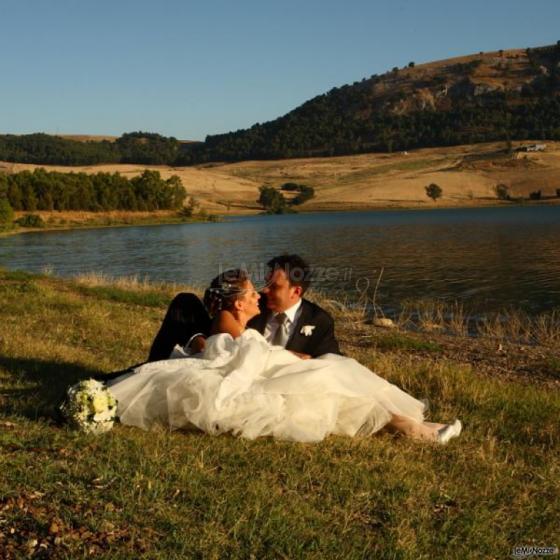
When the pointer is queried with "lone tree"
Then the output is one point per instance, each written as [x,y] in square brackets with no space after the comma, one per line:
[502,192]
[271,200]
[536,195]
[434,191]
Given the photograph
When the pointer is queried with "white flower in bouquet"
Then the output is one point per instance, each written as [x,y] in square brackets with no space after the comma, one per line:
[90,407]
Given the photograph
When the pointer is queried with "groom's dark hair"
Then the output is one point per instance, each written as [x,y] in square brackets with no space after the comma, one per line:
[296,269]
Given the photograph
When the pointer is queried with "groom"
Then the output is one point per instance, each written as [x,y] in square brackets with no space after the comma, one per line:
[286,318]
[289,320]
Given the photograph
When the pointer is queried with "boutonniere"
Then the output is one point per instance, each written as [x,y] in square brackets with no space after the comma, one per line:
[307,330]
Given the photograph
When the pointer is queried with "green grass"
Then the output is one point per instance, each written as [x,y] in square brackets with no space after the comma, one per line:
[112,293]
[553,365]
[135,494]
[401,341]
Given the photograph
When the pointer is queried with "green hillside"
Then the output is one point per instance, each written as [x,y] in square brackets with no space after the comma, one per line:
[484,97]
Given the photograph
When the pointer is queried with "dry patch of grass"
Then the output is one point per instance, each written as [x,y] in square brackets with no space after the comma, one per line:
[132,283]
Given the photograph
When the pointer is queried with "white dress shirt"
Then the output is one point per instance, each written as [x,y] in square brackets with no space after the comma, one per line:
[292,315]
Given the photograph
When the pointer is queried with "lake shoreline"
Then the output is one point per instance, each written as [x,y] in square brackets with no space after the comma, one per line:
[501,349]
[451,255]
[153,220]
[504,352]
[156,219]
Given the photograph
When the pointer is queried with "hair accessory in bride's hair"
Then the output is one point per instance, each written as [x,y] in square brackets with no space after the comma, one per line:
[224,290]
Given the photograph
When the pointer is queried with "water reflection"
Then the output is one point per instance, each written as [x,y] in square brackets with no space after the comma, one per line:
[488,258]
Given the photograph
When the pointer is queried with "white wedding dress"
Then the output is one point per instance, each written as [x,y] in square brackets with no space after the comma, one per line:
[251,389]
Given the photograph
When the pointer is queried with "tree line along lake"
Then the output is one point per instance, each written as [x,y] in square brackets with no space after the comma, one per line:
[489,259]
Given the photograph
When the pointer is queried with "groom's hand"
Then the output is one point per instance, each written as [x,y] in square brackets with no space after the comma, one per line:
[301,355]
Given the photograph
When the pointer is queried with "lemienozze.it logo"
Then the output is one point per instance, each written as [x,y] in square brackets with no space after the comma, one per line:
[529,551]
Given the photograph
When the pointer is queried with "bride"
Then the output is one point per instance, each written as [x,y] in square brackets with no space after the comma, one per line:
[243,385]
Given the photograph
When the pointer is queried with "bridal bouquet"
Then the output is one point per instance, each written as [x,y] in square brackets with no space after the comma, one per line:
[90,407]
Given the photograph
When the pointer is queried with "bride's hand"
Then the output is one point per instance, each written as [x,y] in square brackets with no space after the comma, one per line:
[301,355]
[198,344]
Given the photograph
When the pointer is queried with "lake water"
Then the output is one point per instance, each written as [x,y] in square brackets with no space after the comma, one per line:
[489,258]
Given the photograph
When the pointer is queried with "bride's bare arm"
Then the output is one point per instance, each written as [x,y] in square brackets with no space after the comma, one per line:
[225,322]
[300,355]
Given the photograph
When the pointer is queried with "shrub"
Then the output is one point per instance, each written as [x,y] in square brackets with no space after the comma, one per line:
[536,195]
[290,187]
[31,221]
[305,193]
[6,213]
[557,193]
[188,210]
[434,191]
[272,200]
[502,192]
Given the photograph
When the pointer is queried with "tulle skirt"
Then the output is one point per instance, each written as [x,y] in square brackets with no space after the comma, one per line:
[251,389]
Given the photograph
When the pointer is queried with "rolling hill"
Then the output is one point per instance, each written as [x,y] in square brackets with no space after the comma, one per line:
[467,175]
[485,97]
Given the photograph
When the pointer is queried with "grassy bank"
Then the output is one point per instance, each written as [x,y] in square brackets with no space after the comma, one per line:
[115,218]
[188,495]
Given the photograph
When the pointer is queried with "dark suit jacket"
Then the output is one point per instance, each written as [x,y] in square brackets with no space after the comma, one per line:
[322,339]
[186,316]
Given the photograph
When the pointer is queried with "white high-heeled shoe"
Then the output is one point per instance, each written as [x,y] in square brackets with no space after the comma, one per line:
[449,431]
[426,404]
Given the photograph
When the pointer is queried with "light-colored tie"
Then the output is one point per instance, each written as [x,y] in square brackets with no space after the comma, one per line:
[281,334]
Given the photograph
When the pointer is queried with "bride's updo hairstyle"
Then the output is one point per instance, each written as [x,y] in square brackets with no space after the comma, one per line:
[225,290]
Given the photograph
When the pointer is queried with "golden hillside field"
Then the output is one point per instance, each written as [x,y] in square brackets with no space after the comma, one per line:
[467,175]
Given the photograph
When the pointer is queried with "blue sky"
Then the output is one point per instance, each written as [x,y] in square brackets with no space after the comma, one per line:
[188,69]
